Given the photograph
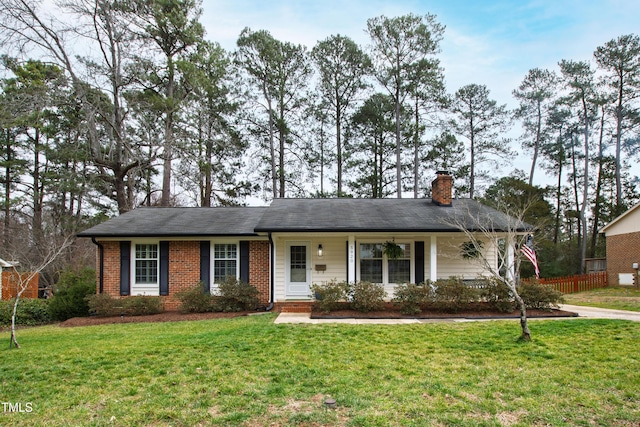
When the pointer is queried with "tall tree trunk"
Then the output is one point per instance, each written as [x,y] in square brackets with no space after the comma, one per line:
[339,149]
[619,118]
[168,136]
[598,200]
[282,135]
[36,222]
[7,189]
[575,190]
[208,184]
[556,231]
[536,145]
[585,190]
[416,151]
[398,147]
[272,149]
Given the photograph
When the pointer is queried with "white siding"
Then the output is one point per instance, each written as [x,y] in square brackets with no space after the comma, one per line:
[449,261]
[334,258]
[629,222]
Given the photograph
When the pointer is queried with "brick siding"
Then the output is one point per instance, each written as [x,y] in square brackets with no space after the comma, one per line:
[184,269]
[622,251]
[442,189]
[293,306]
[111,279]
[259,275]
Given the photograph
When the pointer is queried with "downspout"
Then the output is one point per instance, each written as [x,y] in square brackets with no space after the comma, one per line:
[101,263]
[271,273]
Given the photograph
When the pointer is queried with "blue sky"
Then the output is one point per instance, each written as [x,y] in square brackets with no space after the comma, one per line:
[494,43]
[486,42]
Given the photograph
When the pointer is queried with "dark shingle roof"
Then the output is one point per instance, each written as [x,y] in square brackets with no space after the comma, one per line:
[306,215]
[378,215]
[219,221]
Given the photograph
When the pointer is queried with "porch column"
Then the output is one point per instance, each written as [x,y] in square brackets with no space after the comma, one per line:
[510,261]
[433,259]
[351,257]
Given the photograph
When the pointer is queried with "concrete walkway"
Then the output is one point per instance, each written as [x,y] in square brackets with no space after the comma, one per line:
[583,312]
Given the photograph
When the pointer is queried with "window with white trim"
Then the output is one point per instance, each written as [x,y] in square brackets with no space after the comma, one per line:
[146,264]
[145,268]
[376,267]
[225,261]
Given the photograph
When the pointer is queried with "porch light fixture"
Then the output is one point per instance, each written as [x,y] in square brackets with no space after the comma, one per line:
[320,251]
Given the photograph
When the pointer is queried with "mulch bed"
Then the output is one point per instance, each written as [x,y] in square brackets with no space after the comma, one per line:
[167,316]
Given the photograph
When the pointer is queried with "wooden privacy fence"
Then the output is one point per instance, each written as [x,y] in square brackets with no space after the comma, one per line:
[578,283]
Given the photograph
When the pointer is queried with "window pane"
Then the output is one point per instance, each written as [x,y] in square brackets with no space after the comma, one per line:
[399,271]
[146,251]
[370,250]
[225,251]
[371,270]
[146,271]
[223,270]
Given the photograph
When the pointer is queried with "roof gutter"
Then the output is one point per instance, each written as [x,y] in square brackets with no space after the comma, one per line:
[101,263]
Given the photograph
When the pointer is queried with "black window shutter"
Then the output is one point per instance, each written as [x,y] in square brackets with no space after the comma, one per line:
[244,261]
[205,266]
[419,265]
[125,268]
[164,268]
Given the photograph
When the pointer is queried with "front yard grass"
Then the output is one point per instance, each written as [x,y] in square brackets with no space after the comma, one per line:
[614,297]
[250,372]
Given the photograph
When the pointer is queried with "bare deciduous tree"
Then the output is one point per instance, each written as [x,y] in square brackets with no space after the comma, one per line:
[501,261]
[29,267]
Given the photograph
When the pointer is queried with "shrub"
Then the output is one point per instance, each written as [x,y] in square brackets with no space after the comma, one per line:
[367,296]
[72,288]
[104,305]
[452,295]
[142,305]
[539,296]
[498,295]
[235,295]
[31,312]
[411,297]
[328,296]
[195,300]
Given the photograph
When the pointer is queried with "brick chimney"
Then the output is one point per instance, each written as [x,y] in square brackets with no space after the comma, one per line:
[442,189]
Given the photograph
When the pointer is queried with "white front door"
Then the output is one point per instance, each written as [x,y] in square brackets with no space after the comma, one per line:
[298,269]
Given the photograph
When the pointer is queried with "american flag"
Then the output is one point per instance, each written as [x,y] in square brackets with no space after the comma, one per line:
[530,254]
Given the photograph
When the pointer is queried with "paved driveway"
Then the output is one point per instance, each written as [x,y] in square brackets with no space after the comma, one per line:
[602,313]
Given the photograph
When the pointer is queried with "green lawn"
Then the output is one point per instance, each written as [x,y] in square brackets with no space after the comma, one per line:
[249,372]
[619,298]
